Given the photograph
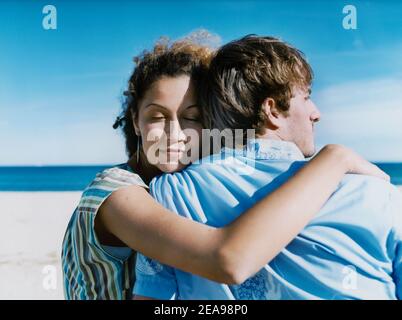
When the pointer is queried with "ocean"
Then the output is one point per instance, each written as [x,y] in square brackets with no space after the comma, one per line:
[76,178]
[47,178]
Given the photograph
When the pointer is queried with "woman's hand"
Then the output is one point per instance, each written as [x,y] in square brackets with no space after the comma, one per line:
[355,163]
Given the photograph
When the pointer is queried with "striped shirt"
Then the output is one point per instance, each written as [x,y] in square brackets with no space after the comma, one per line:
[90,271]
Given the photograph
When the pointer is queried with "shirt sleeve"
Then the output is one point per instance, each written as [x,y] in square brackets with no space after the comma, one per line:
[104,184]
[154,280]
[396,205]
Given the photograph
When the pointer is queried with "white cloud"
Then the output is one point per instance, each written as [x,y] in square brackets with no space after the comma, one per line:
[365,115]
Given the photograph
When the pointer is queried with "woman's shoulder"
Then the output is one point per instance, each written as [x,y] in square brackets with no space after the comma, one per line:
[105,183]
[121,174]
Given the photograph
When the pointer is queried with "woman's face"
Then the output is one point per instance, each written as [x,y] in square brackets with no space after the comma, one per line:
[169,123]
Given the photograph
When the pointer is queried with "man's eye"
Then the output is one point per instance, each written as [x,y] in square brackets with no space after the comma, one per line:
[307,98]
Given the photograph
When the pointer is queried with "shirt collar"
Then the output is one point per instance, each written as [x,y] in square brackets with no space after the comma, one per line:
[267,149]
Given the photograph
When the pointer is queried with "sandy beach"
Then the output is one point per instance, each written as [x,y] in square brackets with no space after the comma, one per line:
[31,232]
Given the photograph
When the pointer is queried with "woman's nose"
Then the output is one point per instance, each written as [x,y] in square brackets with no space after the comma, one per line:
[175,132]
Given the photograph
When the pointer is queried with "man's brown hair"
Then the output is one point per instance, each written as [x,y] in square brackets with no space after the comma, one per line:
[243,73]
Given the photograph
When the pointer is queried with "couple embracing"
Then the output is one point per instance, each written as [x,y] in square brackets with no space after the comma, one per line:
[262,218]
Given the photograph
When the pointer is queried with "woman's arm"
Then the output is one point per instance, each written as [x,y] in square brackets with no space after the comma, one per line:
[235,252]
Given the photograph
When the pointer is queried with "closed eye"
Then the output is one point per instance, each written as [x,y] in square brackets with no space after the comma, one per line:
[158,118]
[192,119]
[309,94]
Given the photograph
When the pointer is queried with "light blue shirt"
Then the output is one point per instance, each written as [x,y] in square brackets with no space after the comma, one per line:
[352,249]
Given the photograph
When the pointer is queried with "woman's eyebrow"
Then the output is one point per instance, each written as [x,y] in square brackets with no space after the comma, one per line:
[163,107]
[155,104]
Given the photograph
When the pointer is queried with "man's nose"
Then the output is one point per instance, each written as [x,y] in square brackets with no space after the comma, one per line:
[316,114]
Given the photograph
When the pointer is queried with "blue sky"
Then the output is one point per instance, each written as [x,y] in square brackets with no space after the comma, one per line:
[60,90]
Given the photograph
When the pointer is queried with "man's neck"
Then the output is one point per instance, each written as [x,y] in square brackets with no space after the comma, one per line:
[275,146]
[270,135]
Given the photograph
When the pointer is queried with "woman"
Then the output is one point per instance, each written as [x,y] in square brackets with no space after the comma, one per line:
[116,216]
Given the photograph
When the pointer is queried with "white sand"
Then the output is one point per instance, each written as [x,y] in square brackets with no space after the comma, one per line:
[31,232]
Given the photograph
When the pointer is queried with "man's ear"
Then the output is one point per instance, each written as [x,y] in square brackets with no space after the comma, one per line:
[134,116]
[274,116]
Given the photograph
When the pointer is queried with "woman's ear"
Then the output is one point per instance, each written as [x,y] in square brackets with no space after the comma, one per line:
[134,116]
[272,114]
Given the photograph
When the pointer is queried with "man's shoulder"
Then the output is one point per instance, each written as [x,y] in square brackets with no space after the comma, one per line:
[226,167]
[369,189]
[373,194]
[367,184]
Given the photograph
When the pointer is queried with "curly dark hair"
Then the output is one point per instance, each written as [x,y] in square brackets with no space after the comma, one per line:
[188,56]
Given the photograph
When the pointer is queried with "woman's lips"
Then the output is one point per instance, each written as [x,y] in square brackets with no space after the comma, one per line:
[171,150]
[172,153]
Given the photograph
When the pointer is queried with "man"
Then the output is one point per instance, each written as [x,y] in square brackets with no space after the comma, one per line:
[351,250]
